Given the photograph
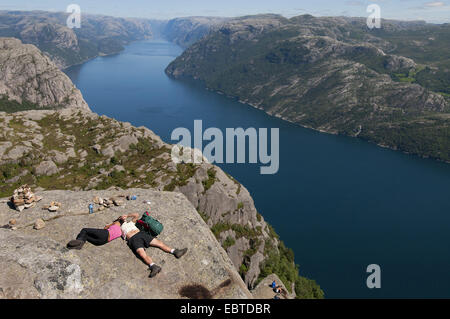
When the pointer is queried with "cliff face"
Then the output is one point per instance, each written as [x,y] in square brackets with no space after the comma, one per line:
[36,263]
[334,75]
[99,35]
[26,75]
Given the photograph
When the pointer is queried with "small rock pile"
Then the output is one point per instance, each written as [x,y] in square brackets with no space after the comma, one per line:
[107,203]
[53,207]
[24,198]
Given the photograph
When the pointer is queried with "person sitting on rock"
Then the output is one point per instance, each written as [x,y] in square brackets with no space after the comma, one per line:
[280,290]
[97,237]
[138,241]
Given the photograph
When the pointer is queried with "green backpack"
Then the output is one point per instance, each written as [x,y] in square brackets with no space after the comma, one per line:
[150,225]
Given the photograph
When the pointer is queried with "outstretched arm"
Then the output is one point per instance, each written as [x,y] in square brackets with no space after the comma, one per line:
[135,217]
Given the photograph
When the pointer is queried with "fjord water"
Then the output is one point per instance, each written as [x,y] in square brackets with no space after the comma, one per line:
[340,203]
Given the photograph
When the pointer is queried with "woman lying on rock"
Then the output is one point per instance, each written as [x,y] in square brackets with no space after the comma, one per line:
[97,237]
[138,241]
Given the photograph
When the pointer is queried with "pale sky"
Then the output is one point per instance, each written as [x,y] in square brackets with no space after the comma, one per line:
[430,11]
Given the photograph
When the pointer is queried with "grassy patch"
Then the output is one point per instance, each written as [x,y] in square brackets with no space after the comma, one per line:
[204,216]
[229,241]
[281,262]
[13,106]
[184,173]
[209,182]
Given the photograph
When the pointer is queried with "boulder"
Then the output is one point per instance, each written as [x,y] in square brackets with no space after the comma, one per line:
[108,152]
[18,151]
[124,143]
[71,152]
[59,157]
[3,147]
[118,168]
[46,168]
[39,224]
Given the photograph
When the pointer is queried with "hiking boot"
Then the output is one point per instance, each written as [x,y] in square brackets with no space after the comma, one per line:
[154,270]
[179,252]
[75,244]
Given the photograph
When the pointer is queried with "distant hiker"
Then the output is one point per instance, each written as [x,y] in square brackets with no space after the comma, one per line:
[97,237]
[274,284]
[280,290]
[138,241]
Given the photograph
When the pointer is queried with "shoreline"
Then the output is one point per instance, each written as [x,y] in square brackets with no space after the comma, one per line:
[101,54]
[321,130]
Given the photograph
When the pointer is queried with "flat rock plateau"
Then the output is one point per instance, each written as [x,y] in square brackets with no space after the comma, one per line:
[37,264]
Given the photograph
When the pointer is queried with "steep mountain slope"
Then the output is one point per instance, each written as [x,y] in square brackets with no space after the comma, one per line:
[331,74]
[98,35]
[28,79]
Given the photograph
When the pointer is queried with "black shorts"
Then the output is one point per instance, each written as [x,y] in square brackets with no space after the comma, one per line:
[140,240]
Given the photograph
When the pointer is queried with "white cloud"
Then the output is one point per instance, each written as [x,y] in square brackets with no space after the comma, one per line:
[434,4]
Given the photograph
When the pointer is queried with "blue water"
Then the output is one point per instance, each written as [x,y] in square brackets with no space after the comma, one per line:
[340,203]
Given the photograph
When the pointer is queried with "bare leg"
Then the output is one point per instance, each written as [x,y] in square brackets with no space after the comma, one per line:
[144,256]
[159,244]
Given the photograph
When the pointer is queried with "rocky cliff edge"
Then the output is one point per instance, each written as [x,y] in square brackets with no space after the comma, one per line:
[36,263]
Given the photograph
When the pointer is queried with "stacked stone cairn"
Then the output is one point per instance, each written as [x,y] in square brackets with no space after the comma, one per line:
[24,198]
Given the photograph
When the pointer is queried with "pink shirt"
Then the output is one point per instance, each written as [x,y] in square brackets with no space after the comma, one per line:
[114,232]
